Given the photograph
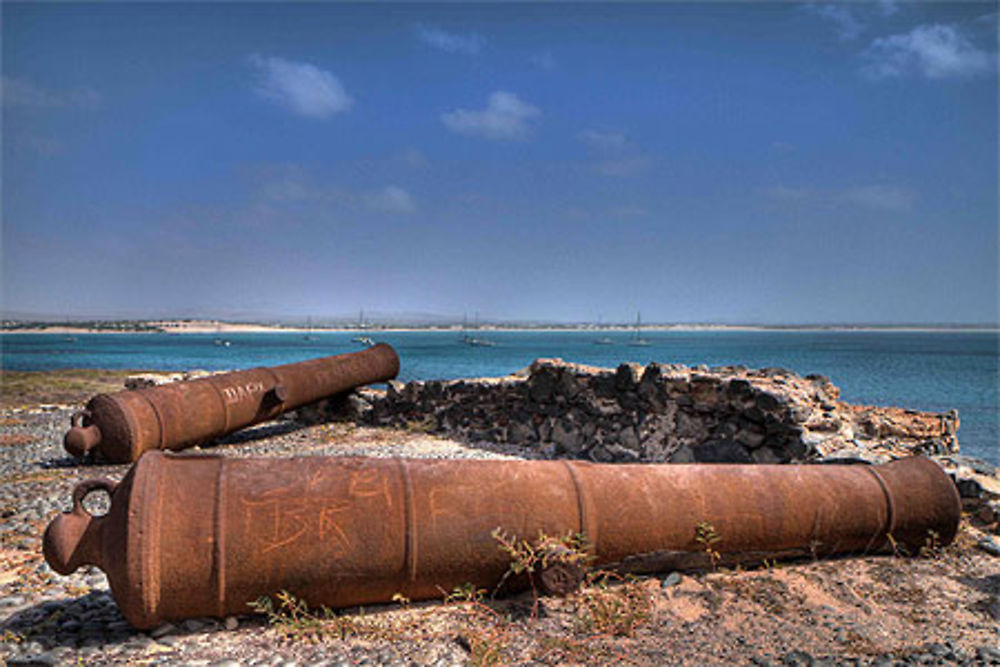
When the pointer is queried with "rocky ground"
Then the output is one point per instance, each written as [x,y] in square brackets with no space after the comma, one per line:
[940,608]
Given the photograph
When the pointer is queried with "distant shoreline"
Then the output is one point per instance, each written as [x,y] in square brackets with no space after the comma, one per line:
[183,327]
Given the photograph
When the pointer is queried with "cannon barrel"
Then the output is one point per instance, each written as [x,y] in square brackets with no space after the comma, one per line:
[123,425]
[190,536]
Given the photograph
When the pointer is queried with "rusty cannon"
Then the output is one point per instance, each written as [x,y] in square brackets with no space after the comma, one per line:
[190,536]
[123,425]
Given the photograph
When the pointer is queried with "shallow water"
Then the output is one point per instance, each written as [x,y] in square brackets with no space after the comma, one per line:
[919,370]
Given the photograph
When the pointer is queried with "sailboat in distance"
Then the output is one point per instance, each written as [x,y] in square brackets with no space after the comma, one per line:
[309,335]
[475,341]
[361,339]
[638,340]
[219,340]
[603,340]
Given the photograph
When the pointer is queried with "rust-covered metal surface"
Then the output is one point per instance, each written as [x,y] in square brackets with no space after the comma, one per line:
[123,425]
[191,536]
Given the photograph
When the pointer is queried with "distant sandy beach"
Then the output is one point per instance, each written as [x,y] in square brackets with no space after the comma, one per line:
[217,327]
[159,326]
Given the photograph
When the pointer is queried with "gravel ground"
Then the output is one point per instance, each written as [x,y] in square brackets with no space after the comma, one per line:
[869,611]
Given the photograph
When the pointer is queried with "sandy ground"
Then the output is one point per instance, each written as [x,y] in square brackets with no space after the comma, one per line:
[942,608]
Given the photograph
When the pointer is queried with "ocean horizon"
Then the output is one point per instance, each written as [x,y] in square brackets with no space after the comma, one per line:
[932,370]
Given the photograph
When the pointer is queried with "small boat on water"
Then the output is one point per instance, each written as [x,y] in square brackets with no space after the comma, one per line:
[475,341]
[309,335]
[603,340]
[362,339]
[638,340]
[219,340]
[472,341]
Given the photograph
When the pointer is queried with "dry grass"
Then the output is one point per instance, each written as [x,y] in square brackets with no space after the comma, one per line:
[20,389]
[491,632]
[16,439]
[35,476]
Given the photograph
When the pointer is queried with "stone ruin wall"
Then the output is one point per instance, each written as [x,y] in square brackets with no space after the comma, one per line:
[661,413]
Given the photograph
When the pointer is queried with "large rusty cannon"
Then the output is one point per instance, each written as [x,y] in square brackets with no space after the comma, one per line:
[123,425]
[194,536]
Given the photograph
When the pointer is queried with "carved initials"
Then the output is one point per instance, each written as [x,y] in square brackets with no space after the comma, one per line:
[242,392]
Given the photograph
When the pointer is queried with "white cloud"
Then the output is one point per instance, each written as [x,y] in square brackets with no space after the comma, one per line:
[390,199]
[544,60]
[880,197]
[412,157]
[628,212]
[787,194]
[888,7]
[289,188]
[876,197]
[302,88]
[935,51]
[506,117]
[616,154]
[24,93]
[468,44]
[605,141]
[847,26]
[625,166]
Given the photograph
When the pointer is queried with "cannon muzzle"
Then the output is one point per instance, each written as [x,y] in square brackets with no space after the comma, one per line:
[123,425]
[190,536]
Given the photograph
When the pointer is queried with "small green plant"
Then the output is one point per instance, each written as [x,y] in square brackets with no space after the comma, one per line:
[706,536]
[41,627]
[425,425]
[465,593]
[483,632]
[898,550]
[294,620]
[533,557]
[616,610]
[11,637]
[557,649]
[932,547]
[814,549]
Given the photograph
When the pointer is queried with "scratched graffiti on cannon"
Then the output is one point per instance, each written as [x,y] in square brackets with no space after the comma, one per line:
[243,392]
[316,508]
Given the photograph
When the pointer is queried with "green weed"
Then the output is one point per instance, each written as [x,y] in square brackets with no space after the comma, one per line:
[706,536]
[614,610]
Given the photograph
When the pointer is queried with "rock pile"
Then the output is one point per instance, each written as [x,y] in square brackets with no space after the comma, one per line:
[660,413]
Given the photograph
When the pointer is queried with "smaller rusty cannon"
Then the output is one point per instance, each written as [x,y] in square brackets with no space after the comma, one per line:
[123,425]
[190,536]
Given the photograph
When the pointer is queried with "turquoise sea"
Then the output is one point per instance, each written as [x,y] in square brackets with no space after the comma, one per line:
[919,370]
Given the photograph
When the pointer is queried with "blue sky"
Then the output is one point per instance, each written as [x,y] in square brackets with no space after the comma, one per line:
[743,162]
